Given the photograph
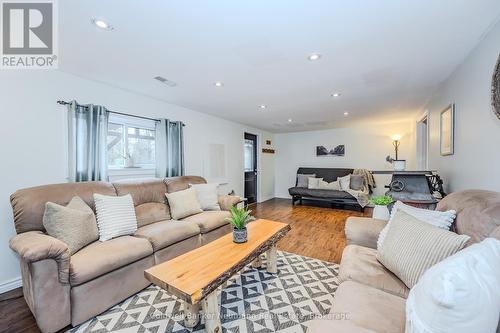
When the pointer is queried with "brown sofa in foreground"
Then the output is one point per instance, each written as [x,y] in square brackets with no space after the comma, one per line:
[61,289]
[372,299]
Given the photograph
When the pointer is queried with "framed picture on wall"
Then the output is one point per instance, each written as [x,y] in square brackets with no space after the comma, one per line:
[447,130]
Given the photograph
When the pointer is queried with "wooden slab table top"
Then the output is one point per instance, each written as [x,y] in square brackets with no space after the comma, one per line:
[195,276]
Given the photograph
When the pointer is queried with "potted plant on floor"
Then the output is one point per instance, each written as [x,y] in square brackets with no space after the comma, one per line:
[239,219]
[380,211]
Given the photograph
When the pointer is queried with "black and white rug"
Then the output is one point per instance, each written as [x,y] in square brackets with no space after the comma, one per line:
[253,301]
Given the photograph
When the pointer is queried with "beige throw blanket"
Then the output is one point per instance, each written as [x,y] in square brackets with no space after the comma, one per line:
[363,195]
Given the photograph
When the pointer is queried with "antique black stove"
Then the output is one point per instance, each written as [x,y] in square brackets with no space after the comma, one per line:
[416,188]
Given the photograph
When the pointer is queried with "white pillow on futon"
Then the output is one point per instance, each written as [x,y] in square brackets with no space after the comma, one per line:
[439,219]
[460,294]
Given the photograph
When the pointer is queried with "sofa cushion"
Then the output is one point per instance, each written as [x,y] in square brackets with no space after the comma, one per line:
[208,221]
[100,258]
[164,233]
[180,183]
[149,199]
[363,231]
[478,212]
[366,309]
[318,193]
[360,264]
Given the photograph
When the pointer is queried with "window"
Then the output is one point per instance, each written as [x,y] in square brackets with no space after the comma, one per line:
[130,143]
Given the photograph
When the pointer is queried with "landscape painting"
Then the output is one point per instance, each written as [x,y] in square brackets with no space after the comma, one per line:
[336,151]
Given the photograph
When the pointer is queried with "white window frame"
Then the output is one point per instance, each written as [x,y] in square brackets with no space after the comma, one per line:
[131,121]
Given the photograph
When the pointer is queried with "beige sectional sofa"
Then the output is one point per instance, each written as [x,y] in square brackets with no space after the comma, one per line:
[372,299]
[61,289]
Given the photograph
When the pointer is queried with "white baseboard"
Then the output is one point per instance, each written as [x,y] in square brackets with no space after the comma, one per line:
[10,285]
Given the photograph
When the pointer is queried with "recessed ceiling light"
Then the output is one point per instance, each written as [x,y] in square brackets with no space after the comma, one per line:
[314,56]
[346,113]
[289,120]
[262,107]
[336,94]
[102,24]
[218,84]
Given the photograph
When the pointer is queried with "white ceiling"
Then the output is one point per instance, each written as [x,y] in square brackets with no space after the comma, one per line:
[385,57]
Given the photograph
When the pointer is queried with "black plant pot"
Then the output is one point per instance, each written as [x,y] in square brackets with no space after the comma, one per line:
[240,235]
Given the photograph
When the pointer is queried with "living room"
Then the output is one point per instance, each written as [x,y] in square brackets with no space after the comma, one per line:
[142,140]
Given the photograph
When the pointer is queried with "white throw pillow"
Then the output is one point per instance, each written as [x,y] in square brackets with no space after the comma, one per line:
[115,216]
[345,182]
[329,186]
[207,196]
[460,294]
[442,220]
[313,183]
[183,203]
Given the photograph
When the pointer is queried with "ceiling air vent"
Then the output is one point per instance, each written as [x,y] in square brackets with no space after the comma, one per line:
[165,81]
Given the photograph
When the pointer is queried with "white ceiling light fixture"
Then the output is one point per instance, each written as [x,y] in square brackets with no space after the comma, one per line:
[102,24]
[262,106]
[314,56]
[218,84]
[289,120]
[336,94]
[346,113]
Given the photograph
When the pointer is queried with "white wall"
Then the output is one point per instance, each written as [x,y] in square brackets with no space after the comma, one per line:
[34,151]
[365,147]
[476,161]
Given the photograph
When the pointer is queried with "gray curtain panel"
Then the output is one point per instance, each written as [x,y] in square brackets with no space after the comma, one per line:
[88,130]
[169,148]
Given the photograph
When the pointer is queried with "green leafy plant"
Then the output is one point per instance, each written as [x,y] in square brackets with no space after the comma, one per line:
[239,217]
[381,200]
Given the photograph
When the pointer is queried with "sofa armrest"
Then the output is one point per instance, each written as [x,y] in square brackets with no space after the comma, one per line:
[35,246]
[227,201]
[363,231]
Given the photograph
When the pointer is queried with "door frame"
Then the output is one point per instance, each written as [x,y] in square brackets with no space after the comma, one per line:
[419,146]
[258,160]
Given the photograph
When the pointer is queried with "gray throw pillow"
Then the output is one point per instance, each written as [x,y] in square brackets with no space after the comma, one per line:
[357,182]
[302,179]
[74,224]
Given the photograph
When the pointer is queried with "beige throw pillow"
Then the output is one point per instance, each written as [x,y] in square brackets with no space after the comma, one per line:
[412,246]
[313,183]
[329,186]
[183,203]
[74,224]
[207,195]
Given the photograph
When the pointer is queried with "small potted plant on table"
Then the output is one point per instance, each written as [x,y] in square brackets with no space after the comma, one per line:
[380,211]
[239,219]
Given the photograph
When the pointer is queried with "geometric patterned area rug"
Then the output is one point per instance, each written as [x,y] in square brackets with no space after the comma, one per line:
[253,301]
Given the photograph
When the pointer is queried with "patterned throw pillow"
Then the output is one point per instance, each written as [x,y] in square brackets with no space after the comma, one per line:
[436,218]
[115,216]
[412,246]
[74,224]
[345,182]
[313,183]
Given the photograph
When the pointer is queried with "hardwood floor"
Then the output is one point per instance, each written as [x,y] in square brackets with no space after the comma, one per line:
[317,232]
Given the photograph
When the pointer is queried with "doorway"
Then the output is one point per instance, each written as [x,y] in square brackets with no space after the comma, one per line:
[423,142]
[250,148]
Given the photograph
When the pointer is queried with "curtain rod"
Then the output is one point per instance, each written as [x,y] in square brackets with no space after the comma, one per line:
[60,102]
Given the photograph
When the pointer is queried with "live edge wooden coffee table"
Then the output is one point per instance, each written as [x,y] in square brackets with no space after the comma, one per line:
[195,276]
